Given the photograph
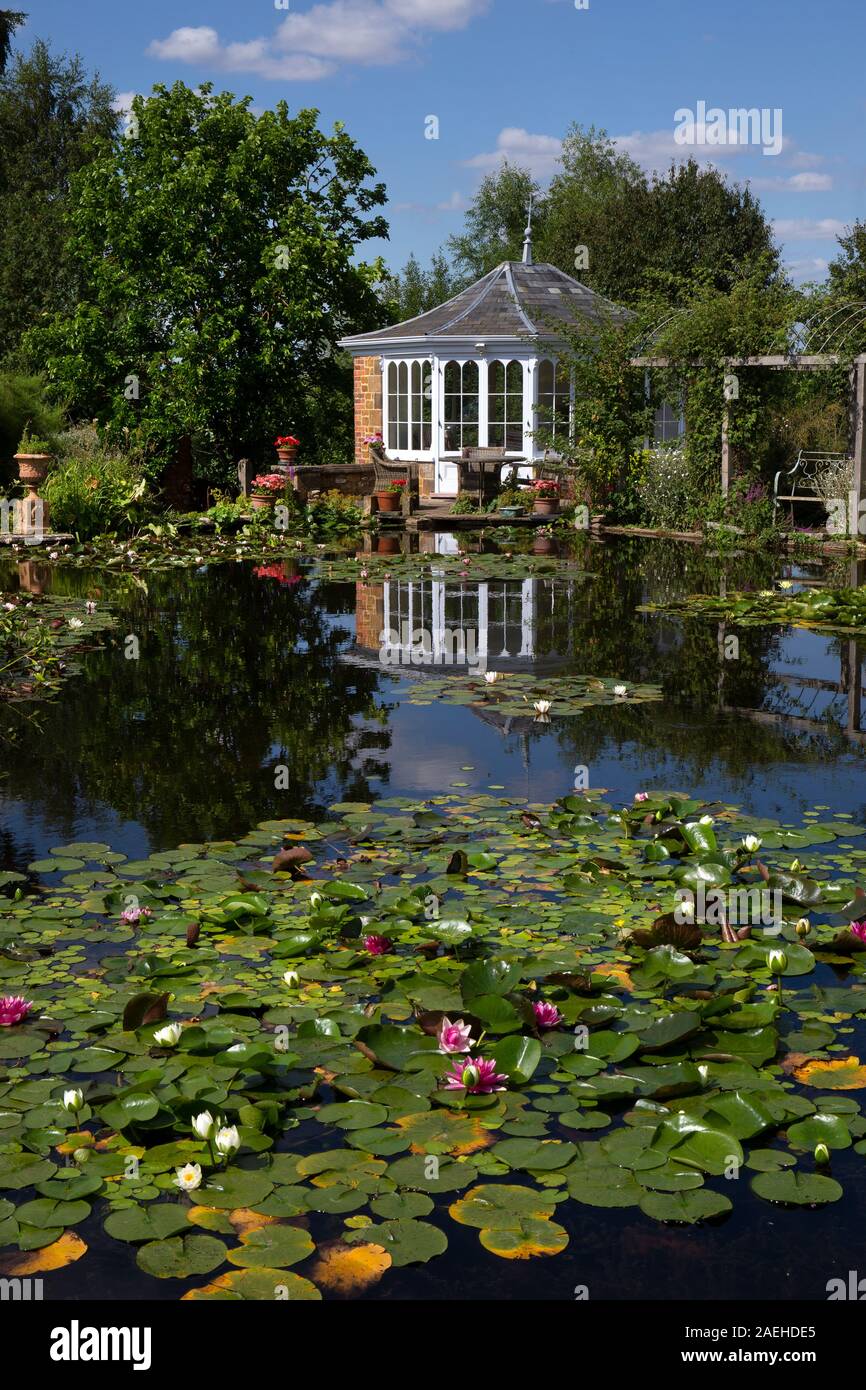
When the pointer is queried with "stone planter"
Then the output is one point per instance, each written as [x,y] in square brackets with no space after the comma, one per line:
[512,512]
[32,469]
[31,514]
[261,502]
[388,501]
[287,453]
[545,506]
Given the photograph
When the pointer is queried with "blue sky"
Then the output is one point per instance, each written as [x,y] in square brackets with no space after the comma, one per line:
[508,77]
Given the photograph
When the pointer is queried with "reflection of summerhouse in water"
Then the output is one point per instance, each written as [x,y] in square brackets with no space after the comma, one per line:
[431,624]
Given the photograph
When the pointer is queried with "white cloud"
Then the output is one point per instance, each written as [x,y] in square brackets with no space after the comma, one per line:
[311,44]
[123,102]
[795,183]
[808,228]
[810,268]
[538,153]
[456,203]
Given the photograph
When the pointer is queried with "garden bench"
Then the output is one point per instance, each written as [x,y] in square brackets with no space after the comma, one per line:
[798,484]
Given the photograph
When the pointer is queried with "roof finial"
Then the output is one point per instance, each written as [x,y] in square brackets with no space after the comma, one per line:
[527,235]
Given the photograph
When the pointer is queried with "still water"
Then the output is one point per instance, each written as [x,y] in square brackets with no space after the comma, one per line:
[245,670]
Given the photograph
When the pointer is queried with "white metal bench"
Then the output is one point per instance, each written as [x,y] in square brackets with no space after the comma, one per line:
[797,484]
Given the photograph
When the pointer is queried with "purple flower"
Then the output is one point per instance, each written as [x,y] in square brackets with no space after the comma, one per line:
[546,1015]
[14,1008]
[377,945]
[454,1037]
[131,916]
[858,929]
[477,1076]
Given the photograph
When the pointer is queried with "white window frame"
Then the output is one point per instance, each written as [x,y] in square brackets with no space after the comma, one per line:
[409,453]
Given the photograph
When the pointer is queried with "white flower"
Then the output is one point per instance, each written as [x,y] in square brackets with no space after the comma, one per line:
[316,900]
[90,606]
[10,607]
[541,706]
[188,1177]
[227,1140]
[777,961]
[705,820]
[620,690]
[292,978]
[752,843]
[168,1036]
[202,1124]
[75,622]
[73,1100]
[492,677]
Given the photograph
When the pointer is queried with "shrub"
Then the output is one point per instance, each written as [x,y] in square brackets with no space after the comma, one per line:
[23,407]
[92,490]
[666,488]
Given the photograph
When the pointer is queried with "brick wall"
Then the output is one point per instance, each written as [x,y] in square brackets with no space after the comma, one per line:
[369,615]
[368,403]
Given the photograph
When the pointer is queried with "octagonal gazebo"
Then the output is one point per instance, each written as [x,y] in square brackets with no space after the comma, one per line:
[479,371]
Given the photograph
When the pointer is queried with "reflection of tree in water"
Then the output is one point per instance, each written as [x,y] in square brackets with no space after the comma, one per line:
[236,675]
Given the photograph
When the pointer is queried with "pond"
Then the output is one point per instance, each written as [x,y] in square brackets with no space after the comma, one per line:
[262,696]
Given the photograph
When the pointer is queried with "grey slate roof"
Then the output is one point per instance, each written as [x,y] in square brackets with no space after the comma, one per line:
[514,300]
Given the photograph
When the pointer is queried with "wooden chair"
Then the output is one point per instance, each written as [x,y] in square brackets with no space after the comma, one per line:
[387,471]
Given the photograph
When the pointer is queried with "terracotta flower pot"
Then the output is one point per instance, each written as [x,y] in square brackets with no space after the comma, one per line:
[388,501]
[261,501]
[544,545]
[388,545]
[545,506]
[287,452]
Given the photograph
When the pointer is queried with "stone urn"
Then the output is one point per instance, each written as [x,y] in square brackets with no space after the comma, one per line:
[32,512]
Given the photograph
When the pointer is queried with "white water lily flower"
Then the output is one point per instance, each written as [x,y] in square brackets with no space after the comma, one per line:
[169,1036]
[188,1177]
[228,1140]
[316,900]
[752,843]
[705,820]
[236,1047]
[291,978]
[76,622]
[492,677]
[620,690]
[777,961]
[786,584]
[541,706]
[73,1100]
[202,1124]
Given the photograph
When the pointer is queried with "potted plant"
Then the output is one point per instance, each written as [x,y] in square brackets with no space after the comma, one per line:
[266,489]
[543,542]
[376,444]
[33,459]
[389,499]
[511,501]
[286,446]
[545,495]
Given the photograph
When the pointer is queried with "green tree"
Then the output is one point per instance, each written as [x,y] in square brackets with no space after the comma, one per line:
[53,121]
[847,273]
[413,290]
[496,221]
[9,22]
[216,255]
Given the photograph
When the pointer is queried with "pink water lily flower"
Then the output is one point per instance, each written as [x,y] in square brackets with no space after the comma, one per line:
[641,796]
[454,1037]
[131,916]
[476,1075]
[377,945]
[14,1008]
[858,929]
[546,1015]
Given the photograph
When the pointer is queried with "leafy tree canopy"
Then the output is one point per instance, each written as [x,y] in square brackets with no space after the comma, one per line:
[413,290]
[848,270]
[54,119]
[9,22]
[216,255]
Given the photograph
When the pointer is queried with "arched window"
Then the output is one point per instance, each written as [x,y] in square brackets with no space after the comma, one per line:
[460,405]
[505,405]
[554,398]
[409,421]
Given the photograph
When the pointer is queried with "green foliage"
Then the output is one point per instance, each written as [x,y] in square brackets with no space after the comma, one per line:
[92,489]
[23,406]
[847,273]
[231,276]
[666,488]
[413,291]
[496,221]
[9,22]
[54,120]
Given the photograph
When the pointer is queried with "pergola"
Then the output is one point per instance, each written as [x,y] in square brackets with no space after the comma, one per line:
[830,327]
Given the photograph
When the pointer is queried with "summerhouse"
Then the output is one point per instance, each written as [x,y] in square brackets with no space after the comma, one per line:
[480,371]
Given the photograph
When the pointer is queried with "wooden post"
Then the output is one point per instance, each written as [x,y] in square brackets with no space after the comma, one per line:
[726,452]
